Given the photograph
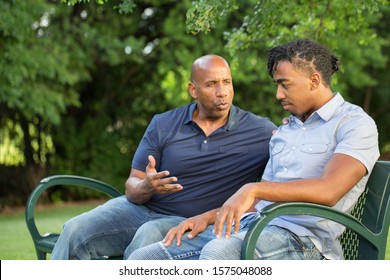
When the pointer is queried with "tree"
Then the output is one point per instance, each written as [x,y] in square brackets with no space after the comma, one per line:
[127,69]
[35,87]
[356,30]
[81,79]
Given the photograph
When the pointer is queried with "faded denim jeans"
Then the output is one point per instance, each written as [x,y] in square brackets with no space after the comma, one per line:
[274,243]
[111,230]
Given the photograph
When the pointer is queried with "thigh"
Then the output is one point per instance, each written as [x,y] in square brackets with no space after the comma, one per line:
[276,243]
[116,214]
[157,227]
[188,250]
[152,231]
[162,223]
[228,248]
[104,231]
[107,229]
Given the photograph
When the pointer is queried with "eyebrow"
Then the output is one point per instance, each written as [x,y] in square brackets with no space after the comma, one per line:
[281,80]
[216,80]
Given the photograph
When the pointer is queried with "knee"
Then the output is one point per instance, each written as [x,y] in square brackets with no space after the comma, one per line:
[156,230]
[73,229]
[151,230]
[222,249]
[147,234]
[152,252]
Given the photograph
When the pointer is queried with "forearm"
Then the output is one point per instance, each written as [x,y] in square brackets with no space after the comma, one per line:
[314,190]
[309,190]
[340,175]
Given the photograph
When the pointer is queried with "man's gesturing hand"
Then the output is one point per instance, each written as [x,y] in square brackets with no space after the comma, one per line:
[158,182]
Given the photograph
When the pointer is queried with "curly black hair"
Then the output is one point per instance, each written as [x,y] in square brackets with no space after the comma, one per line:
[305,55]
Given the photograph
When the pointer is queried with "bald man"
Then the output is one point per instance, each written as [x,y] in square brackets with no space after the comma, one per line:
[190,160]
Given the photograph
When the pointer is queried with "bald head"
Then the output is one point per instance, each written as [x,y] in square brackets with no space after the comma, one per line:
[206,62]
[212,87]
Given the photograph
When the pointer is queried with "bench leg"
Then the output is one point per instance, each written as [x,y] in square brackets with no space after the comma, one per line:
[41,255]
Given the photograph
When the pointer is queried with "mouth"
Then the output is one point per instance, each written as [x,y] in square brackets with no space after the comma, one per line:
[222,106]
[285,104]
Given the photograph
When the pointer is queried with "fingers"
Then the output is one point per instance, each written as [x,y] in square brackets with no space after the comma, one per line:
[168,188]
[194,232]
[161,184]
[175,233]
[179,235]
[237,220]
[159,181]
[151,167]
[152,162]
[170,236]
[194,225]
[285,121]
[152,172]
[163,180]
[219,222]
[229,219]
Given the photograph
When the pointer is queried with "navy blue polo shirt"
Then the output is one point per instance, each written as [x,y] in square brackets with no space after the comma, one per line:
[210,168]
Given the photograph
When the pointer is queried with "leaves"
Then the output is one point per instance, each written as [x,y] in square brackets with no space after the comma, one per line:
[204,14]
[85,77]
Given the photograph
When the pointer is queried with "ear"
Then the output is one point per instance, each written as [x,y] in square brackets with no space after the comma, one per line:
[315,80]
[192,90]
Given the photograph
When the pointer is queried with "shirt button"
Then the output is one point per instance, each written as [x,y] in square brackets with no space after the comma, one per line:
[293,148]
[304,128]
[205,141]
[285,169]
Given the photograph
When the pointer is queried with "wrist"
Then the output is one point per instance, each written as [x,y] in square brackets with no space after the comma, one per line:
[251,190]
[211,215]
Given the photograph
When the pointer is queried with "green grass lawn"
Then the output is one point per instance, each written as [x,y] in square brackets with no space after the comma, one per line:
[16,243]
[15,240]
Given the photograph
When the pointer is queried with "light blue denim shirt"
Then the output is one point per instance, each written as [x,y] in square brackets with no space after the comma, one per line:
[301,150]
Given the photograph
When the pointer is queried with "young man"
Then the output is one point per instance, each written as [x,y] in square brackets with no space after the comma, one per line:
[324,155]
[190,160]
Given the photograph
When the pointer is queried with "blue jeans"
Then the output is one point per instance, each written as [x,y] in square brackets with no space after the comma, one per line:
[273,243]
[115,228]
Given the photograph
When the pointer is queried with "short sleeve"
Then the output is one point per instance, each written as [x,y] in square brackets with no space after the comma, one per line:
[357,137]
[148,146]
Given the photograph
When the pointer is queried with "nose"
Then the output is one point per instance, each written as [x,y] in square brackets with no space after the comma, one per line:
[279,93]
[221,90]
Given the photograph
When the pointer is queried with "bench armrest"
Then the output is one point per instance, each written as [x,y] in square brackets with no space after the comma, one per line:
[61,180]
[298,208]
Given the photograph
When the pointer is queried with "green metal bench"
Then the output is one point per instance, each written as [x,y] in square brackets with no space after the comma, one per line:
[367,225]
[365,237]
[44,243]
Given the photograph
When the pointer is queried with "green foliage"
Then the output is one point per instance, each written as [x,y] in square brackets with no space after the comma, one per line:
[354,30]
[81,79]
[27,38]
[204,14]
[74,2]
[125,6]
